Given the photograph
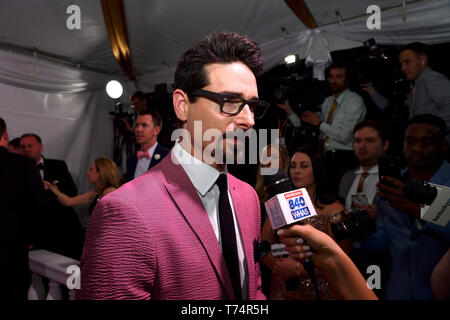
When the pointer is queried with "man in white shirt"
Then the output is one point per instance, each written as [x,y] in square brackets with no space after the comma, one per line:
[339,114]
[148,126]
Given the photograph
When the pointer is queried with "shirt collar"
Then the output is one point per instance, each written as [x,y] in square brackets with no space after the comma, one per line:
[373,170]
[341,96]
[202,176]
[151,150]
[421,75]
[41,161]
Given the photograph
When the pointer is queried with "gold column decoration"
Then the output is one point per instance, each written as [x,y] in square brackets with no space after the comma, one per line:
[114,16]
[302,12]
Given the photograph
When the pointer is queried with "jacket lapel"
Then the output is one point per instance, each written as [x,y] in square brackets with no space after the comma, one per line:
[187,200]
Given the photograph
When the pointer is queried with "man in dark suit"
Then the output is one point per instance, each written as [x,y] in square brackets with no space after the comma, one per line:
[148,126]
[62,226]
[22,200]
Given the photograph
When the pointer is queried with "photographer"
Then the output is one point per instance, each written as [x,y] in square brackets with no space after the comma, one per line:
[139,104]
[344,279]
[430,91]
[339,114]
[414,246]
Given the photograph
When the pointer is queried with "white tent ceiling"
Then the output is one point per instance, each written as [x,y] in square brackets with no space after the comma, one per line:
[160,30]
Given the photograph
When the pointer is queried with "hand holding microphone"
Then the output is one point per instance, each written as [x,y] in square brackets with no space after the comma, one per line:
[320,247]
[344,279]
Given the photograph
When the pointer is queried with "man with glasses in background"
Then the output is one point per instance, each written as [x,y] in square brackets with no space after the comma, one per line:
[187,229]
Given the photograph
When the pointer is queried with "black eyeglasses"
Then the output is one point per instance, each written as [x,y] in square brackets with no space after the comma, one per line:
[232,104]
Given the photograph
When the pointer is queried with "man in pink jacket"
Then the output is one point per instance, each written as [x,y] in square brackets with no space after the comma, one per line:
[186,229]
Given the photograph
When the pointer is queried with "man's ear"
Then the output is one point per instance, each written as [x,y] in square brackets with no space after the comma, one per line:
[157,130]
[180,104]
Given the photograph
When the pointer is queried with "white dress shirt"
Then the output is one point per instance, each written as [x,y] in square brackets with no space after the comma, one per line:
[143,163]
[369,186]
[349,111]
[204,177]
[41,171]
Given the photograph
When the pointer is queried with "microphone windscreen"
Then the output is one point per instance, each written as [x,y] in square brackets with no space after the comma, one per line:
[277,183]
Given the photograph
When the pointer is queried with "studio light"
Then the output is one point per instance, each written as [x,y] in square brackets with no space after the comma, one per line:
[290,59]
[114,89]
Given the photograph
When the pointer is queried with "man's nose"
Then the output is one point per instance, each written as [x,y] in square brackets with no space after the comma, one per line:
[245,118]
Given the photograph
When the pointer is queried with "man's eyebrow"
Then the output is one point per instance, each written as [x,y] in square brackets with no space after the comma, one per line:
[240,94]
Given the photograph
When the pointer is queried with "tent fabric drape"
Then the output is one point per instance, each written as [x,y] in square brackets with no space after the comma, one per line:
[67,108]
[35,74]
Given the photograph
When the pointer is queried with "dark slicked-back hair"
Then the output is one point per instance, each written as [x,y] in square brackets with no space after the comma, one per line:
[216,47]
[39,140]
[419,48]
[339,65]
[2,127]
[431,120]
[376,125]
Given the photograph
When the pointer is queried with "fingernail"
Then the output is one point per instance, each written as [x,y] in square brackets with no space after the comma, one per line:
[299,241]
[306,248]
[280,232]
[309,254]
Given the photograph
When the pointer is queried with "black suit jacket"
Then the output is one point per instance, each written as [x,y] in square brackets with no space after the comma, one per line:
[22,202]
[61,224]
[132,161]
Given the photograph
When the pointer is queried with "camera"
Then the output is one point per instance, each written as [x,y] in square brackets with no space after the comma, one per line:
[119,116]
[356,225]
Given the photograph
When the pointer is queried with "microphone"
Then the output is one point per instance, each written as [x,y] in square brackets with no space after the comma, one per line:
[435,200]
[285,207]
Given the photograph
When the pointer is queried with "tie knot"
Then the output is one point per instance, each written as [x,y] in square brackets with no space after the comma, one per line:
[40,166]
[364,174]
[222,182]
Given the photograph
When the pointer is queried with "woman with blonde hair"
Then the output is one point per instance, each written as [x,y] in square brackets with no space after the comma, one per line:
[103,173]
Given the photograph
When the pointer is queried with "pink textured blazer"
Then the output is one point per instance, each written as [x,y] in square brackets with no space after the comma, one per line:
[152,239]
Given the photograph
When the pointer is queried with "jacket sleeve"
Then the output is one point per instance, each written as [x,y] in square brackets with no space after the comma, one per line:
[36,202]
[66,184]
[118,259]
